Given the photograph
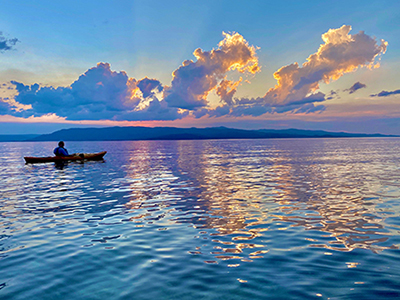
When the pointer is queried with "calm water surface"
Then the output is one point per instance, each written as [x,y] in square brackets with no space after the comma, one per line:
[226,219]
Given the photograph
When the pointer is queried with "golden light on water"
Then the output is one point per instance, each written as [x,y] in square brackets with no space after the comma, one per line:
[235,200]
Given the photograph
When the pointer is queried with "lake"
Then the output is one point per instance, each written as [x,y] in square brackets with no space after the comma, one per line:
[209,219]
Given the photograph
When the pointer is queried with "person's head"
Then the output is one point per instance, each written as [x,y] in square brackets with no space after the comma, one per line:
[61,144]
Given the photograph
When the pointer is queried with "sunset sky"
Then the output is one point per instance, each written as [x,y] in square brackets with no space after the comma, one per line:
[330,65]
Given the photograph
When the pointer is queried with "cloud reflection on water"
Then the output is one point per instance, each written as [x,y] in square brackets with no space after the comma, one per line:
[234,192]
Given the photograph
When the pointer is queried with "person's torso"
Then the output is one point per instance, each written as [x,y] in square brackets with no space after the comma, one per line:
[60,151]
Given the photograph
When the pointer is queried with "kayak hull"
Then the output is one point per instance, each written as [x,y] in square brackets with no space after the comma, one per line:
[74,157]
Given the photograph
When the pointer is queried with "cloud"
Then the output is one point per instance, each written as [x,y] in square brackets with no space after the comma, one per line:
[310,108]
[216,112]
[297,86]
[6,44]
[358,85]
[4,107]
[226,89]
[149,86]
[312,98]
[193,81]
[250,110]
[332,94]
[341,53]
[305,108]
[156,110]
[99,93]
[235,111]
[386,93]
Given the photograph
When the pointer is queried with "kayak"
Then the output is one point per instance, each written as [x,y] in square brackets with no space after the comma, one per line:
[73,157]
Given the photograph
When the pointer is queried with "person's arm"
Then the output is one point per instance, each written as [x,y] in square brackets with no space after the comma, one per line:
[63,152]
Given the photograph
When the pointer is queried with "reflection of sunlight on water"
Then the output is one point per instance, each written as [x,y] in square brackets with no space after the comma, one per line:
[233,192]
[241,198]
[178,217]
[336,198]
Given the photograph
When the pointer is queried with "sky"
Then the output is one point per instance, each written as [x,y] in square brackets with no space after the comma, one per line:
[319,65]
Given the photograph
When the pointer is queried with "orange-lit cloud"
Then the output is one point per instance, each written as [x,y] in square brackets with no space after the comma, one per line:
[341,53]
[193,81]
[227,89]
[297,86]
[103,94]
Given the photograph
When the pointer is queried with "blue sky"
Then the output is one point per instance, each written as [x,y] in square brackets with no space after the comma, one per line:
[66,48]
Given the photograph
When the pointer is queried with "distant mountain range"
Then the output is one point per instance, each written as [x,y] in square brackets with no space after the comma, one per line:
[173,133]
[16,137]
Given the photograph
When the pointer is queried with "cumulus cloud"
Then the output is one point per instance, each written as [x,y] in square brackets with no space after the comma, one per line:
[250,110]
[235,111]
[149,87]
[4,107]
[386,93]
[341,53]
[6,44]
[297,86]
[226,89]
[99,93]
[355,87]
[156,110]
[310,108]
[193,81]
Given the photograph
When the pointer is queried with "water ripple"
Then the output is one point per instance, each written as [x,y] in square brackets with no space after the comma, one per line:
[293,219]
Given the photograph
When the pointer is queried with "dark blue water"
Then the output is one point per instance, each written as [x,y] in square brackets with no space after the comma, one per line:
[233,219]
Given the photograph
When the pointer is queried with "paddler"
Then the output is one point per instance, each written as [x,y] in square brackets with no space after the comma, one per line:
[60,150]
